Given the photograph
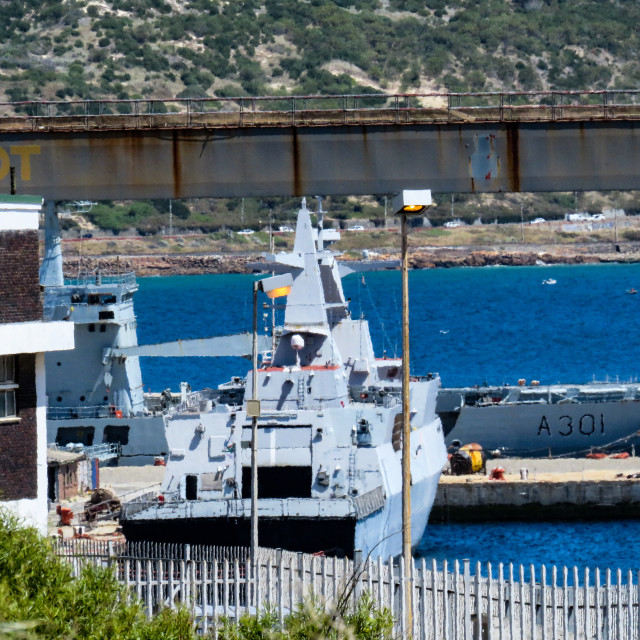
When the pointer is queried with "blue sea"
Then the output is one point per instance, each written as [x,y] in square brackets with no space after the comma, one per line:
[472,326]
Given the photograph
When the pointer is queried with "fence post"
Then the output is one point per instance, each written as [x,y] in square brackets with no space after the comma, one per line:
[279,585]
[619,602]
[111,550]
[630,605]
[357,573]
[596,596]
[554,601]
[587,604]
[533,599]
[479,621]
[523,623]
[489,618]
[236,589]
[466,580]
[434,599]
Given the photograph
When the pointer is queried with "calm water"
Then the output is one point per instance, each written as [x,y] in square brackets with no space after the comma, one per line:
[490,325]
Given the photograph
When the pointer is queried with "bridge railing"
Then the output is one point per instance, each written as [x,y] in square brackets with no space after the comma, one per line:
[315,110]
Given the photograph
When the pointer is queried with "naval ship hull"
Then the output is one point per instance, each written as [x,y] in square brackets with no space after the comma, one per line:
[370,523]
[541,429]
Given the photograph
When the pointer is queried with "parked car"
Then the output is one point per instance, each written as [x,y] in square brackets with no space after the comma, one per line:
[285,229]
[452,224]
[245,232]
[538,221]
[356,227]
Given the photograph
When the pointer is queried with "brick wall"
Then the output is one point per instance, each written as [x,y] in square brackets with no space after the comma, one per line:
[67,481]
[20,297]
[18,439]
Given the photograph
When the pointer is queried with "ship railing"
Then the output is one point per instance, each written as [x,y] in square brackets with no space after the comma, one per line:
[97,411]
[103,451]
[127,279]
[449,600]
[195,401]
[140,503]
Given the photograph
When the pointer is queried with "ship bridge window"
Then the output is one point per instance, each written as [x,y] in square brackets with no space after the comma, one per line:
[77,298]
[279,482]
[106,315]
[102,299]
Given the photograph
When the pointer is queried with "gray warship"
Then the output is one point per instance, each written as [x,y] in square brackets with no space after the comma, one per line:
[95,392]
[533,420]
[329,436]
[94,399]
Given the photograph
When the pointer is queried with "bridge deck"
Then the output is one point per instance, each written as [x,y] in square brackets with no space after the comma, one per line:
[342,145]
[318,111]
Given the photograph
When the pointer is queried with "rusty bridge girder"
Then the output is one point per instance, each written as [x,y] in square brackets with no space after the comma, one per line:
[335,159]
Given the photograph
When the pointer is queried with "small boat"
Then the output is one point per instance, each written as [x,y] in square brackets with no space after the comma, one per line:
[549,281]
[632,290]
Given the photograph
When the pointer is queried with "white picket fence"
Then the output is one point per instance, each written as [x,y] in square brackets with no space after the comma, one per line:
[450,602]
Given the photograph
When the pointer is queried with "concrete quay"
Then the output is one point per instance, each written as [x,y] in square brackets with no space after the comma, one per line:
[554,489]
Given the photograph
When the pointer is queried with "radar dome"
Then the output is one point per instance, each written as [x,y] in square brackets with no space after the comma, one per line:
[297,341]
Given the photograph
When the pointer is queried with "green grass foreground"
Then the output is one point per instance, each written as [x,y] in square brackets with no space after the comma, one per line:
[40,599]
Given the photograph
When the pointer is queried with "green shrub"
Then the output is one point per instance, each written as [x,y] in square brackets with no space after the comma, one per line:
[39,595]
[314,619]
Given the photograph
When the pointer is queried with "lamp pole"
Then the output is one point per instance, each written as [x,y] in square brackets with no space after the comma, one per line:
[274,287]
[254,429]
[406,432]
[407,202]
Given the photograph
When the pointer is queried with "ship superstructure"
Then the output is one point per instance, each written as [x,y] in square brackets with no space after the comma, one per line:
[329,436]
[94,398]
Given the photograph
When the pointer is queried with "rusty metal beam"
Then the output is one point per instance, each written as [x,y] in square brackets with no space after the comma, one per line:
[329,160]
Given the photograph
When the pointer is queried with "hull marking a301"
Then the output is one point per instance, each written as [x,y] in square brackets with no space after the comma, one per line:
[587,425]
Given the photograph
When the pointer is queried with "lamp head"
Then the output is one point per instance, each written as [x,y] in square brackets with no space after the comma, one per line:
[412,201]
[276,286]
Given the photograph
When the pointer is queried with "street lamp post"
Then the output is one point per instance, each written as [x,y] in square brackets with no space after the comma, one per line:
[274,287]
[408,202]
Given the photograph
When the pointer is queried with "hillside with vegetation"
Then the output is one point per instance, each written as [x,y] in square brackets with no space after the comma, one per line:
[86,49]
[67,50]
